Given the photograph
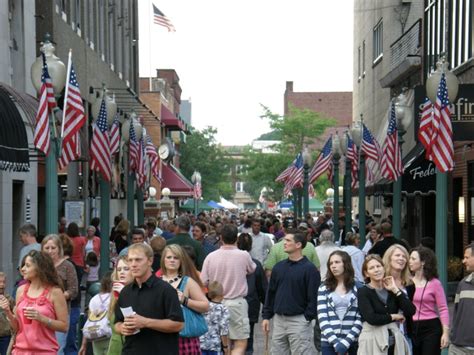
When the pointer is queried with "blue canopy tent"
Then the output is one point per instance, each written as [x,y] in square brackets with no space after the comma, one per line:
[214,204]
[286,204]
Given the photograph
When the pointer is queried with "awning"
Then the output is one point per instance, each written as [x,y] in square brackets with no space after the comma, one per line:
[214,205]
[176,182]
[13,138]
[170,120]
[189,205]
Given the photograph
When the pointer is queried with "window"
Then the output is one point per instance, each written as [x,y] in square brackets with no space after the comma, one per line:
[239,186]
[378,42]
[240,169]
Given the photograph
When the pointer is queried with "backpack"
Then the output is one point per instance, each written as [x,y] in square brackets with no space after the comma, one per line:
[97,325]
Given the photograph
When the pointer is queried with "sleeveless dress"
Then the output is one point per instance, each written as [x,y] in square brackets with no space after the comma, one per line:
[33,337]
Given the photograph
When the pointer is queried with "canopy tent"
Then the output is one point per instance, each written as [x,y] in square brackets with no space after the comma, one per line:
[314,205]
[189,206]
[286,204]
[227,204]
[214,205]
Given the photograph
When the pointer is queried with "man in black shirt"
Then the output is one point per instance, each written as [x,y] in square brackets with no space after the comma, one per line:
[157,319]
[388,240]
[292,299]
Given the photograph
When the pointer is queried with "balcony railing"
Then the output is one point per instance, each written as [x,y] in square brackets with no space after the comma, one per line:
[406,45]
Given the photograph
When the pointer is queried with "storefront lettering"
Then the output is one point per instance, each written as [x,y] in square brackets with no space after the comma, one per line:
[418,173]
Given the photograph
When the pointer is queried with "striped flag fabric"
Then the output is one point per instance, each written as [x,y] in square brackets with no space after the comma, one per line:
[424,131]
[392,166]
[442,150]
[100,145]
[133,148]
[141,170]
[285,173]
[369,145]
[323,163]
[295,177]
[73,120]
[115,135]
[353,157]
[153,157]
[197,191]
[42,134]
[159,18]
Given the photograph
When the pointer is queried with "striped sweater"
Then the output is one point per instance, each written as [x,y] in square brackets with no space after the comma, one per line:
[333,330]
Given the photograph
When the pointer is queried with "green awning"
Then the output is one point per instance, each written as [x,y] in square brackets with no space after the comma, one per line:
[315,205]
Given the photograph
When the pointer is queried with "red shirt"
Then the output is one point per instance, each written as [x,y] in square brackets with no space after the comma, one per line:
[78,254]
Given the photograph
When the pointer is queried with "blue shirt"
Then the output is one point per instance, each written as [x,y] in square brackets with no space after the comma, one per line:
[293,289]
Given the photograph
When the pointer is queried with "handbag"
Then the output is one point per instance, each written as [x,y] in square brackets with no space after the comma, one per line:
[194,323]
[97,325]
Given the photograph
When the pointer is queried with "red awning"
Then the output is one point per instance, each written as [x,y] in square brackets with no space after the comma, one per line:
[175,181]
[170,120]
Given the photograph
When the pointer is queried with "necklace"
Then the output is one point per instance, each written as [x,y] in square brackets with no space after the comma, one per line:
[174,280]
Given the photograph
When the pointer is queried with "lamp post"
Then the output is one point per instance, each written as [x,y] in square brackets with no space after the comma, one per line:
[336,155]
[432,84]
[57,72]
[347,193]
[196,180]
[404,118]
[306,165]
[131,175]
[356,132]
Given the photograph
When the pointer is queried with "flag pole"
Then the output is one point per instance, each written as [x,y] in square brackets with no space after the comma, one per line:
[66,92]
[150,6]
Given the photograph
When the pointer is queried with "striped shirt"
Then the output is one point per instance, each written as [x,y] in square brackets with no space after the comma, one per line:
[333,330]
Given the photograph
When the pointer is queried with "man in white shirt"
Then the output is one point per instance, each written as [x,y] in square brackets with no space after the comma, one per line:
[27,234]
[325,249]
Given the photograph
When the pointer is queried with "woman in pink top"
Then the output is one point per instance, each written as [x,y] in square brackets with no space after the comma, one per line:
[431,320]
[40,308]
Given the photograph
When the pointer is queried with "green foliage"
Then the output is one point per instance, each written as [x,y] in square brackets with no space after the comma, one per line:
[301,127]
[270,136]
[202,153]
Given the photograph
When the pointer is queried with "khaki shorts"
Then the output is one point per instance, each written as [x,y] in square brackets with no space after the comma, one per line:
[239,327]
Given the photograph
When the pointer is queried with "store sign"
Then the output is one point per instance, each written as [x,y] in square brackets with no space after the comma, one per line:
[462,111]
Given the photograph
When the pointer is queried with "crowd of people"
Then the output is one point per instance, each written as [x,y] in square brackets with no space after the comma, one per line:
[200,285]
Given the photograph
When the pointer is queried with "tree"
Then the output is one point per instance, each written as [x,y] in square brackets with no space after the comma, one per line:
[202,153]
[301,127]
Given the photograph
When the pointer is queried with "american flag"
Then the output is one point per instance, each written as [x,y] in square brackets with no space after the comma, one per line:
[323,163]
[285,173]
[153,157]
[197,191]
[133,148]
[159,18]
[115,135]
[392,166]
[370,146]
[141,170]
[442,150]
[296,176]
[424,132]
[353,157]
[100,145]
[46,105]
[73,120]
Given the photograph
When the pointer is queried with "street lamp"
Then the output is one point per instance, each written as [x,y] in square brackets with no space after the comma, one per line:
[432,84]
[57,72]
[356,132]
[196,180]
[336,155]
[347,193]
[404,118]
[131,176]
[306,165]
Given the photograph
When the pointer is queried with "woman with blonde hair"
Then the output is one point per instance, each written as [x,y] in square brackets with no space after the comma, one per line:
[395,262]
[179,271]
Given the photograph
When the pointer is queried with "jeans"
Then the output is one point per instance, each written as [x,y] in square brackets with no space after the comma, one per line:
[61,338]
[329,350]
[71,341]
[4,342]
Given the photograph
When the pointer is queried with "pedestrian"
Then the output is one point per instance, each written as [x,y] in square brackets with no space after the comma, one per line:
[138,236]
[291,300]
[388,239]
[27,234]
[338,311]
[5,328]
[92,241]
[121,276]
[216,340]
[51,245]
[121,235]
[199,233]
[78,252]
[382,306]
[375,235]
[430,332]
[41,308]
[179,271]
[230,266]
[92,270]
[324,249]
[257,288]
[155,317]
[462,336]
[157,243]
[262,243]
[357,255]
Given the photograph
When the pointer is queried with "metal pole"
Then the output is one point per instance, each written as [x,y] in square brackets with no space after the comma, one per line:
[131,199]
[52,204]
[335,214]
[362,199]
[140,211]
[442,226]
[300,202]
[347,196]
[306,189]
[397,196]
[104,226]
[295,203]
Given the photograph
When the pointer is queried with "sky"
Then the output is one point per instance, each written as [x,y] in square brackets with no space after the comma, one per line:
[234,56]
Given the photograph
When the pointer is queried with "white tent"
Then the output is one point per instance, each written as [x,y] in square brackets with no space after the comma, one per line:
[227,204]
